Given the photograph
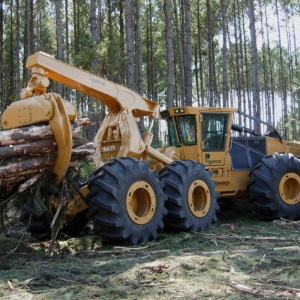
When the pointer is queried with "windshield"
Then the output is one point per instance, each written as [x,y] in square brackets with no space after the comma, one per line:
[182,130]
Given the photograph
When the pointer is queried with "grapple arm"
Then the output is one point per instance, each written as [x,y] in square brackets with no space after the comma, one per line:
[115,96]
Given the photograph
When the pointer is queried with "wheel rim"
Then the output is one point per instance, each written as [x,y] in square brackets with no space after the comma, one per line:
[199,198]
[289,188]
[140,202]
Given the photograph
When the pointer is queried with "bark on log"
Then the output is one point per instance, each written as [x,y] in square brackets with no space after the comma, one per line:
[25,134]
[84,150]
[29,182]
[27,164]
[34,133]
[28,152]
[29,148]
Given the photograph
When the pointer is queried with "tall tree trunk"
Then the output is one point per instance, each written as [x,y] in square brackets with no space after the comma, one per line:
[18,68]
[281,72]
[270,71]
[139,60]
[290,72]
[139,54]
[210,56]
[2,102]
[68,90]
[243,70]
[197,75]
[181,59]
[149,54]
[94,66]
[199,42]
[11,56]
[58,39]
[265,85]
[188,43]
[223,5]
[122,42]
[170,53]
[295,65]
[238,73]
[254,64]
[129,42]
[247,75]
[76,23]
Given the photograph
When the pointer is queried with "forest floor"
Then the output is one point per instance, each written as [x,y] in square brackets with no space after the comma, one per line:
[240,257]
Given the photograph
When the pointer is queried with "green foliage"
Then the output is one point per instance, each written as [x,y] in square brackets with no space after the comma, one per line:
[85,170]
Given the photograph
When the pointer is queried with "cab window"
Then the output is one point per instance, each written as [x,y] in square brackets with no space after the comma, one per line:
[185,127]
[214,128]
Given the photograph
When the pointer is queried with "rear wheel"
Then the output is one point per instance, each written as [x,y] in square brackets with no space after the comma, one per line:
[192,198]
[126,201]
[37,225]
[274,186]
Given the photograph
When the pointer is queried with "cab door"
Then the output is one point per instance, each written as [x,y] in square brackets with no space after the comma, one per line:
[214,128]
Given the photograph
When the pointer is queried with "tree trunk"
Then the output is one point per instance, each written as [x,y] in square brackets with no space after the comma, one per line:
[210,56]
[223,4]
[254,64]
[199,42]
[181,57]
[130,46]
[188,43]
[2,103]
[170,53]
[18,68]
[58,39]
[139,60]
[122,42]
[68,90]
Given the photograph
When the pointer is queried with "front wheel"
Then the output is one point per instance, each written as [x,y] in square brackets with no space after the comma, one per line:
[274,186]
[126,201]
[192,198]
[39,224]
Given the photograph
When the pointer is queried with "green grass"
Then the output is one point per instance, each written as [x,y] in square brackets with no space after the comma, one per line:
[176,266]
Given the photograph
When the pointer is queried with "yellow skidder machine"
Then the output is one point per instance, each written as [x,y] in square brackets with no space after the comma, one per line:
[137,190]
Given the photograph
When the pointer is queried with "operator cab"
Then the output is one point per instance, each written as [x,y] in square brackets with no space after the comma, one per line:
[199,133]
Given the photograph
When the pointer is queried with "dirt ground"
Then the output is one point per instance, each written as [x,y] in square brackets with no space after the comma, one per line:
[240,257]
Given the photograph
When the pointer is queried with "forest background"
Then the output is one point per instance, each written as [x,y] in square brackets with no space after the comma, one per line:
[231,53]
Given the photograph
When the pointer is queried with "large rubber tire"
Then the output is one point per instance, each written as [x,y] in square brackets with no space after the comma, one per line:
[39,225]
[274,186]
[192,198]
[126,201]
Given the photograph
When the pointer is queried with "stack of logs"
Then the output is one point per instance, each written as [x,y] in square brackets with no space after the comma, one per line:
[26,153]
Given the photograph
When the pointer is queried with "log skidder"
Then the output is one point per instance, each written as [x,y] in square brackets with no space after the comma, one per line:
[206,156]
[192,198]
[274,186]
[126,201]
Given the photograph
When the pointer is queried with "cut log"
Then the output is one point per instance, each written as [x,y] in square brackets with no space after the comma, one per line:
[84,150]
[25,134]
[29,182]
[29,148]
[34,133]
[26,153]
[27,164]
